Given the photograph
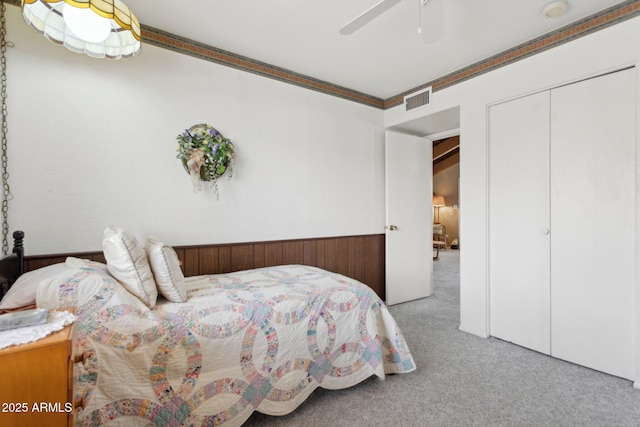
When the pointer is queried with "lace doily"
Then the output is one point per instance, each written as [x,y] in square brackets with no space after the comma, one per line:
[56,321]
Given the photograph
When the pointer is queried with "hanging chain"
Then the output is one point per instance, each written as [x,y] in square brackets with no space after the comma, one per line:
[6,190]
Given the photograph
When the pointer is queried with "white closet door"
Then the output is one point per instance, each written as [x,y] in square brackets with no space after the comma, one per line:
[593,222]
[519,221]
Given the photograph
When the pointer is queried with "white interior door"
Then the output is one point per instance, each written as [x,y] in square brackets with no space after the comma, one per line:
[593,177]
[409,235]
[519,221]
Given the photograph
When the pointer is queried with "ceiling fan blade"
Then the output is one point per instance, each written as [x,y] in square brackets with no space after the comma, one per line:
[368,16]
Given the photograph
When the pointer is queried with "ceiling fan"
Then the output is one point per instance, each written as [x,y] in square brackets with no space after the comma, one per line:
[430,18]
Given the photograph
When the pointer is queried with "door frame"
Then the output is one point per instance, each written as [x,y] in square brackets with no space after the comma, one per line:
[428,127]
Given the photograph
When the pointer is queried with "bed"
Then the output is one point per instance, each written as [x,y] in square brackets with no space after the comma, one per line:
[210,350]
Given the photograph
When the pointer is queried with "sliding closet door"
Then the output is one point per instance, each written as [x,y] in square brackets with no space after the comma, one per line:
[519,221]
[593,222]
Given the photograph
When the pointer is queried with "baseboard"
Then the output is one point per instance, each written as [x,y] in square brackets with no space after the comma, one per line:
[473,332]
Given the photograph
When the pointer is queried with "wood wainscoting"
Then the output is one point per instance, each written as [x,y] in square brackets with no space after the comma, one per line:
[359,257]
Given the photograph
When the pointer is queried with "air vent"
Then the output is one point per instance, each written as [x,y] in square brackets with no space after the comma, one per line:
[418,99]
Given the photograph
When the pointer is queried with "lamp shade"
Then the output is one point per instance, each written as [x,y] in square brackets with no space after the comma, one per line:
[438,201]
[98,28]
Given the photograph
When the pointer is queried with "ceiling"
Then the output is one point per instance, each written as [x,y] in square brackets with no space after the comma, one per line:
[382,59]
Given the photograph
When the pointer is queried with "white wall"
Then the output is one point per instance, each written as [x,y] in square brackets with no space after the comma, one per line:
[605,50]
[92,144]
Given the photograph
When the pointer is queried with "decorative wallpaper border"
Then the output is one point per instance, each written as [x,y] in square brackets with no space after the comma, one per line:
[606,18]
[196,49]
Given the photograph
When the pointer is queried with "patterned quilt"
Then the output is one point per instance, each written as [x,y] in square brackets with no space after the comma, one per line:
[257,340]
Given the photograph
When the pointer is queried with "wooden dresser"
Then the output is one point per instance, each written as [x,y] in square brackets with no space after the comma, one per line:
[36,382]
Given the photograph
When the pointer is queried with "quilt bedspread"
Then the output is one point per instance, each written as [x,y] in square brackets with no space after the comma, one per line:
[256,340]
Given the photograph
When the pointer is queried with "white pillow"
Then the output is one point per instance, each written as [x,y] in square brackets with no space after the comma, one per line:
[128,263]
[23,292]
[166,270]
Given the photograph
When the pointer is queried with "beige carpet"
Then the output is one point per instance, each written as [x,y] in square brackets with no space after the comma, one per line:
[464,380]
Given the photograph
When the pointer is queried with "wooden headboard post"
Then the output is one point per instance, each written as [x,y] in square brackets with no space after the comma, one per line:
[18,249]
[12,265]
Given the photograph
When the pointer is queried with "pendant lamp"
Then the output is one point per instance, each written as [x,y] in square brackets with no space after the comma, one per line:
[98,28]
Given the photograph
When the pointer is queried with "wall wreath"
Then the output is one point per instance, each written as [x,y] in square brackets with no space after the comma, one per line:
[206,155]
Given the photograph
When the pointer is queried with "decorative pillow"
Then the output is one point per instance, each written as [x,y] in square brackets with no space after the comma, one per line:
[166,270]
[23,292]
[82,285]
[128,263]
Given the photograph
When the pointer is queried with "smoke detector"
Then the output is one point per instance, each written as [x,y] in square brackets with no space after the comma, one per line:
[555,9]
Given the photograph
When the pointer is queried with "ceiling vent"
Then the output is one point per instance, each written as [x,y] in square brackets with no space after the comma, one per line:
[418,99]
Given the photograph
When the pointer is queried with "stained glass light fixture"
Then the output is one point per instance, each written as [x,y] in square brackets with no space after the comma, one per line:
[98,28]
